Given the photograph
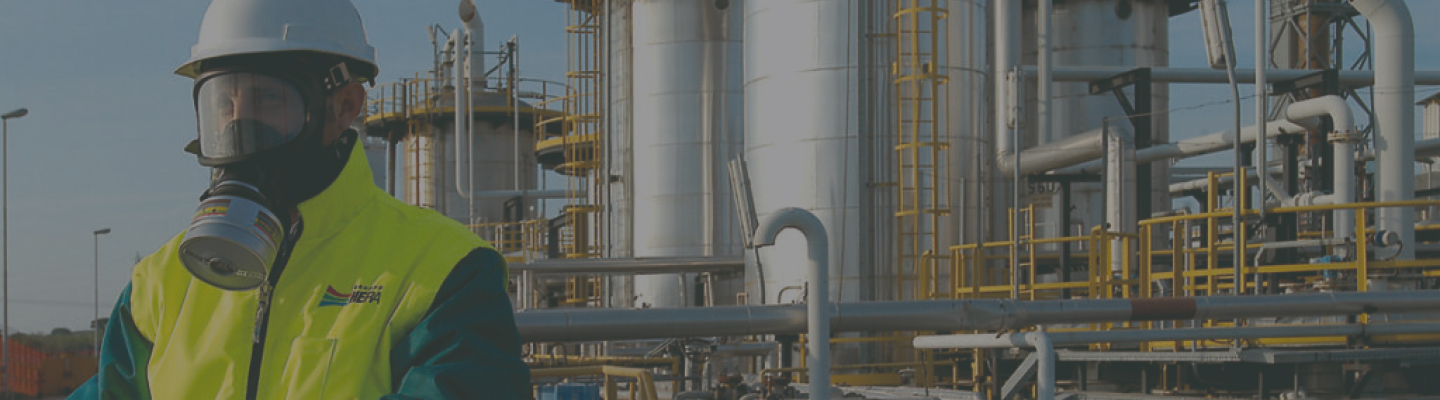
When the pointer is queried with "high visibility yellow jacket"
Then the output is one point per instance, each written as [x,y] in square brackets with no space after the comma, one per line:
[377,299]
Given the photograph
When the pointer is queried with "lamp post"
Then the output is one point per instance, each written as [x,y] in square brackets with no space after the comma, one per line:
[5,240]
[96,320]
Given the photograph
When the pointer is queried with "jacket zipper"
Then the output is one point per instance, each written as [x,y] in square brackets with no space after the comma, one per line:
[262,309]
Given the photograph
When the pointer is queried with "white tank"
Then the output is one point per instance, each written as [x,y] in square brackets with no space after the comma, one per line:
[803,135]
[687,124]
[1130,33]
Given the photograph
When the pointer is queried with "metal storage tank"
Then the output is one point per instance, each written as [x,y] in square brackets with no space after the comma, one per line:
[686,120]
[805,130]
[971,151]
[437,176]
[801,137]
[1131,33]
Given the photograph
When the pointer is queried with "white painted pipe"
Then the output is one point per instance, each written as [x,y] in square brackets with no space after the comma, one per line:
[1262,99]
[1076,149]
[818,301]
[475,28]
[1393,41]
[1200,145]
[1086,73]
[462,103]
[573,325]
[1025,339]
[1423,149]
[1343,138]
[1204,183]
[1007,33]
[1044,63]
[530,193]
[1120,192]
[1045,351]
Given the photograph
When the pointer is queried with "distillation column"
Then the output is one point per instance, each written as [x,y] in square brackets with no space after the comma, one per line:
[688,121]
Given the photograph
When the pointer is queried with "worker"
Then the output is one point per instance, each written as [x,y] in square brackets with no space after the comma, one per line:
[298,278]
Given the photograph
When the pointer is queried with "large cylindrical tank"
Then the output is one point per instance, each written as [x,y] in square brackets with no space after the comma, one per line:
[802,137]
[489,166]
[804,76]
[687,123]
[1131,33]
[971,153]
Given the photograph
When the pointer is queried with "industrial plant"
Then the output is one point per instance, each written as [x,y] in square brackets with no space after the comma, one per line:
[943,199]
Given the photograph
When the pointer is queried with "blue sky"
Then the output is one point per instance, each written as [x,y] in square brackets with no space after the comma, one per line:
[101,146]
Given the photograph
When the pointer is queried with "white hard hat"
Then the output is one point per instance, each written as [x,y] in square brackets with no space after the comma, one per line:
[237,27]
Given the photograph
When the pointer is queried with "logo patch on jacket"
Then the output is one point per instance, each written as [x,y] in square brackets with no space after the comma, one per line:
[359,294]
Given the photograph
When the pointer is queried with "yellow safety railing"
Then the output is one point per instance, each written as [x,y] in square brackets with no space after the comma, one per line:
[418,97]
[984,270]
[518,241]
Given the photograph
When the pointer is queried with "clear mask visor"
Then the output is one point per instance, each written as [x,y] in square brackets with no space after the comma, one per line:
[245,113]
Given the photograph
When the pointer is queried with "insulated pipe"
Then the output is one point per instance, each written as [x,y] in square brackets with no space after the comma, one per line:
[529,193]
[1045,350]
[818,300]
[1262,101]
[1082,73]
[1007,49]
[1120,192]
[639,266]
[1044,61]
[1204,183]
[1200,145]
[462,102]
[1394,43]
[1076,149]
[568,325]
[476,29]
[1027,339]
[1423,149]
[1343,138]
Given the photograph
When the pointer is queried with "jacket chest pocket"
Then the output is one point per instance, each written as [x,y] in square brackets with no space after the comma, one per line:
[307,368]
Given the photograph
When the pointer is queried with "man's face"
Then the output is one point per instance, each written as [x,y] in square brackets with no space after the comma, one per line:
[245,113]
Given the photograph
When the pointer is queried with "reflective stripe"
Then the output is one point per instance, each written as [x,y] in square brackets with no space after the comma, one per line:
[362,276]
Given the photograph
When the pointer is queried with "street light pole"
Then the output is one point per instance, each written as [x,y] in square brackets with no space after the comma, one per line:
[96,320]
[5,239]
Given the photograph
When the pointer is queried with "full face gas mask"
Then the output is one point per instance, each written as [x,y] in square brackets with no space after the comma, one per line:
[261,129]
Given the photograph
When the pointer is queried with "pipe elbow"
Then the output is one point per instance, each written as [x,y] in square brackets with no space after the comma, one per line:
[789,217]
[1340,113]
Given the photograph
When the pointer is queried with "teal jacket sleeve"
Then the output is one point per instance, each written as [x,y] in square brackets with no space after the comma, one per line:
[467,346]
[124,356]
